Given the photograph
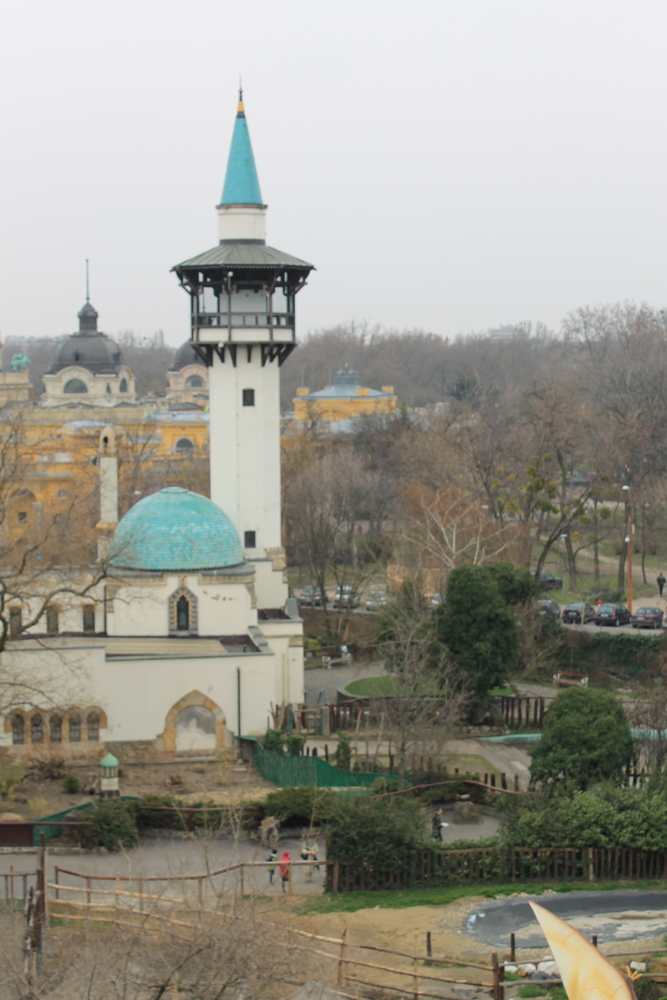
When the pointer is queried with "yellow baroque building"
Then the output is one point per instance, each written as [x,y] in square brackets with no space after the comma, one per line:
[343,400]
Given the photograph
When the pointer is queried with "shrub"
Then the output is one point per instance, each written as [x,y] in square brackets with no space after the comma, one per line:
[111,825]
[294,744]
[298,805]
[71,784]
[374,835]
[586,738]
[274,741]
[343,755]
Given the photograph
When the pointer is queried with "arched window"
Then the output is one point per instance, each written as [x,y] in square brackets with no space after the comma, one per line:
[37,729]
[75,729]
[123,385]
[18,730]
[108,388]
[93,724]
[52,621]
[56,729]
[184,446]
[75,385]
[194,382]
[182,614]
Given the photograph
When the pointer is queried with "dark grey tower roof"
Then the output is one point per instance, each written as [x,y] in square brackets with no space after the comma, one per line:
[88,348]
[185,355]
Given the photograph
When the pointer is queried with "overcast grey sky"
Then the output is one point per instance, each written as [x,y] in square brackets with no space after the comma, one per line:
[447,165]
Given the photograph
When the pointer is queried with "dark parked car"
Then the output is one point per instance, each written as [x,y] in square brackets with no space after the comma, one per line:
[311,597]
[647,618]
[574,613]
[548,582]
[612,614]
[548,608]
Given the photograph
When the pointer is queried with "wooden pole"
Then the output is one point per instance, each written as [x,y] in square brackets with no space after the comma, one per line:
[341,961]
[496,976]
[428,944]
[415,973]
[57,881]
[512,947]
[88,890]
[336,874]
[241,880]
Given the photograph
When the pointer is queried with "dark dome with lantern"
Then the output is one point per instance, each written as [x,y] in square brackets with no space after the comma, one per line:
[185,355]
[88,348]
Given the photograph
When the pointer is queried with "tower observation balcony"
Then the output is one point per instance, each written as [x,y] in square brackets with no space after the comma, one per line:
[242,294]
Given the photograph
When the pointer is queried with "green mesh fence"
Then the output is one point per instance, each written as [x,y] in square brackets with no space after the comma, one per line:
[51,826]
[293,771]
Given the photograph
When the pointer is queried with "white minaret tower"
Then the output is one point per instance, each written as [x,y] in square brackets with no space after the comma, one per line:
[243,326]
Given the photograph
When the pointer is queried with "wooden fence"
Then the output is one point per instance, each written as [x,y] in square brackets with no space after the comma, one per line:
[15,886]
[423,868]
[352,964]
[524,712]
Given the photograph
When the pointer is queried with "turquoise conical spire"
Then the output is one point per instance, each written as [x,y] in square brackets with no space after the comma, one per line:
[241,182]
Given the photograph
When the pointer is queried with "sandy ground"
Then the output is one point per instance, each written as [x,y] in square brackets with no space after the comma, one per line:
[213,781]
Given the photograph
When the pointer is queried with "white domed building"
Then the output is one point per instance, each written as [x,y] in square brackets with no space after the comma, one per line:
[88,367]
[185,634]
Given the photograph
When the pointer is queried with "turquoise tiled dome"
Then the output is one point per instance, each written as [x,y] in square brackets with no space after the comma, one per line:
[175,530]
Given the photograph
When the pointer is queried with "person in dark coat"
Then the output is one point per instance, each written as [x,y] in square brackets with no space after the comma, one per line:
[661,582]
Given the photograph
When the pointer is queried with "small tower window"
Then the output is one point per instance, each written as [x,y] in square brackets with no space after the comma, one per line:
[108,388]
[249,539]
[123,385]
[89,618]
[36,729]
[75,729]
[56,729]
[15,621]
[52,620]
[18,730]
[75,385]
[248,397]
[93,722]
[182,614]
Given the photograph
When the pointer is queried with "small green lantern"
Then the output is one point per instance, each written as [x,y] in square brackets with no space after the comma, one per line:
[109,777]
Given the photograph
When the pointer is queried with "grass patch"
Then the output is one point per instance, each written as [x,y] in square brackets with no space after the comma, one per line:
[394,899]
[372,687]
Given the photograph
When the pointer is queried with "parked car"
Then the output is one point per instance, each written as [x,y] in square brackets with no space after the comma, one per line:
[376,599]
[575,613]
[547,608]
[345,597]
[436,600]
[611,614]
[311,597]
[647,618]
[548,582]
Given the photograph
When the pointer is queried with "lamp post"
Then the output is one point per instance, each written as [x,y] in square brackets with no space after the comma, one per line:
[628,539]
[563,539]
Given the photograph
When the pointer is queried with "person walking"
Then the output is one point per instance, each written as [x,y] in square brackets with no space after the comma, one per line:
[284,868]
[436,823]
[271,869]
[661,581]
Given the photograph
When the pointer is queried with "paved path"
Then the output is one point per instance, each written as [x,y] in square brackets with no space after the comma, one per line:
[318,679]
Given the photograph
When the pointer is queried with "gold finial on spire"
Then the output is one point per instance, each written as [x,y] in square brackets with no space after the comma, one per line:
[240,109]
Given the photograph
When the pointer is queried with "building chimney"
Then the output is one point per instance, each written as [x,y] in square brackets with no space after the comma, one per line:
[108,521]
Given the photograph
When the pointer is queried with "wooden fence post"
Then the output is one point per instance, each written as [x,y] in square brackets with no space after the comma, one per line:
[591,866]
[336,874]
[88,900]
[57,881]
[341,961]
[512,947]
[496,976]
[289,877]
[415,973]
[428,944]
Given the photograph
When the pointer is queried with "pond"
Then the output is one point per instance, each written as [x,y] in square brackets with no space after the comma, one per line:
[617,915]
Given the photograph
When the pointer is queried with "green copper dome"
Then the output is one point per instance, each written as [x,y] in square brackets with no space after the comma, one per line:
[175,530]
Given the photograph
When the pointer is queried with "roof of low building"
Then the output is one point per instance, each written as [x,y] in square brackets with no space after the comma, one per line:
[175,530]
[346,386]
